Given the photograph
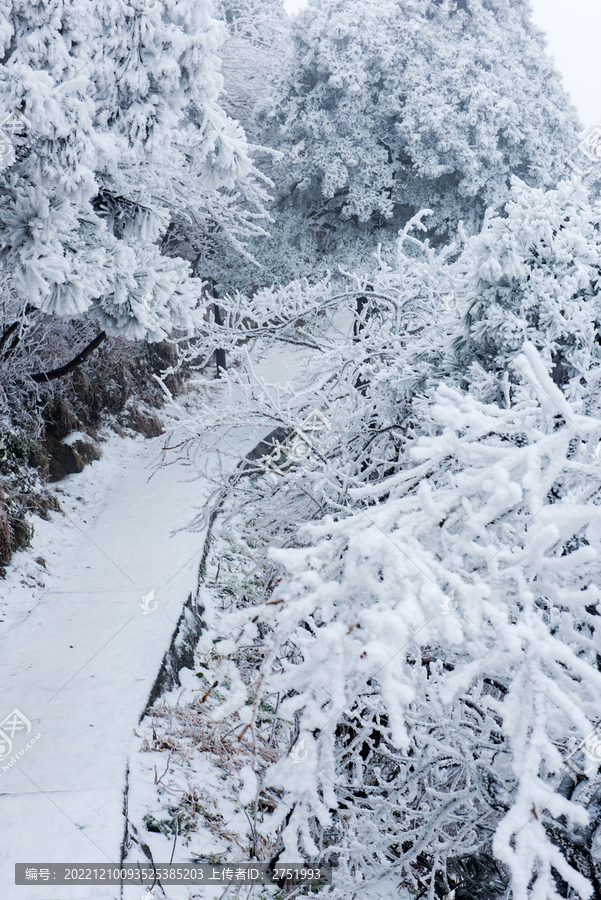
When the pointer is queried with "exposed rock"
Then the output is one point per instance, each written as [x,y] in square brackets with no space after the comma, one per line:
[69,458]
[146,423]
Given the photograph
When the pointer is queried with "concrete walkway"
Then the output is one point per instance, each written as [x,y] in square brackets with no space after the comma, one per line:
[80,666]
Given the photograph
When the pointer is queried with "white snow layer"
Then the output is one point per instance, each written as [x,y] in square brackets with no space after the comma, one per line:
[79,656]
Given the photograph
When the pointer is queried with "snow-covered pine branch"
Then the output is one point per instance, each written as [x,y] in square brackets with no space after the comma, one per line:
[122,103]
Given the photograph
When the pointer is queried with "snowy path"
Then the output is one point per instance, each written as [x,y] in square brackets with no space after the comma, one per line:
[80,662]
[80,666]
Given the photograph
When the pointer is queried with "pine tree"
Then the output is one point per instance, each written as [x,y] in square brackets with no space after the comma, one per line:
[127,140]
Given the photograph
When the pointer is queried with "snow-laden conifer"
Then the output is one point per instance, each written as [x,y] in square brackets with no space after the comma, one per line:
[127,136]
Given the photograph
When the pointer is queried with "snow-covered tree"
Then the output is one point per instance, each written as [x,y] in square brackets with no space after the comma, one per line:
[428,762]
[258,38]
[532,273]
[127,141]
[535,275]
[387,108]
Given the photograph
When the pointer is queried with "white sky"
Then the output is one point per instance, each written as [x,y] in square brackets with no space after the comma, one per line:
[573,30]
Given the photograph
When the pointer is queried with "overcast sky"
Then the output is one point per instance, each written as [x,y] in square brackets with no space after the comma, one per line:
[573,30]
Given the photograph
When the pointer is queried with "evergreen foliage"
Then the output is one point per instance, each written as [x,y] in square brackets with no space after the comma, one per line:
[385,109]
[128,138]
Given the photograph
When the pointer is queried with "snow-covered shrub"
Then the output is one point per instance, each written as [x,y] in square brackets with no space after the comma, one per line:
[534,275]
[454,314]
[447,615]
[430,737]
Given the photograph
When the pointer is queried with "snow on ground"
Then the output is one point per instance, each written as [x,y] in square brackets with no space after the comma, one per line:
[80,664]
[79,654]
[184,801]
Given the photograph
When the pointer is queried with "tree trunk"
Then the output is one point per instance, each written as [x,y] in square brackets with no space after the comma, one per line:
[219,354]
[358,327]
